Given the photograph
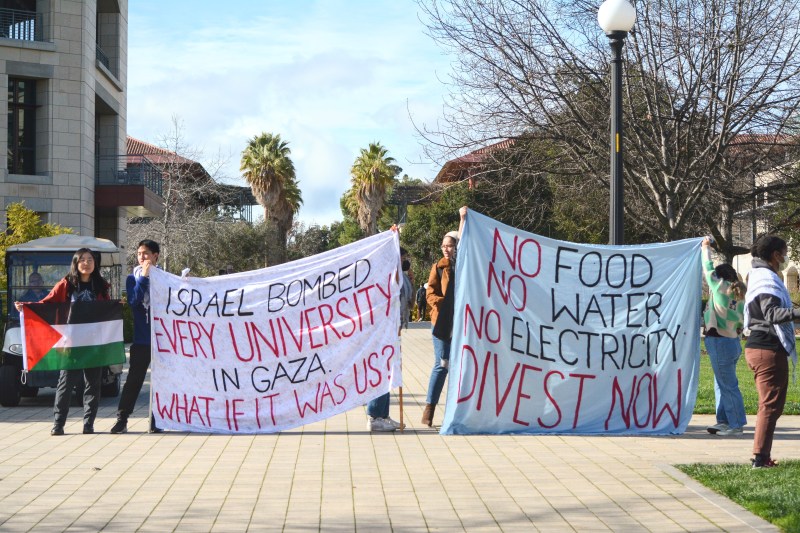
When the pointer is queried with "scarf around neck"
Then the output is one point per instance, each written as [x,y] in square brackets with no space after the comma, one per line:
[764,281]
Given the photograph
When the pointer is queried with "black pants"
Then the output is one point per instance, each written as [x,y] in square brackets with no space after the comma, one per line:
[68,380]
[139,361]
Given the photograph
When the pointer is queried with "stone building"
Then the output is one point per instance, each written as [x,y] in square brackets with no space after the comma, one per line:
[65,65]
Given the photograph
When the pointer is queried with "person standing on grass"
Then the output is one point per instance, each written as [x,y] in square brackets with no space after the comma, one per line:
[769,314]
[724,317]
[138,287]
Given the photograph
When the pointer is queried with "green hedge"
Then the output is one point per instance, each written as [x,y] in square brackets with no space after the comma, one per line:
[127,323]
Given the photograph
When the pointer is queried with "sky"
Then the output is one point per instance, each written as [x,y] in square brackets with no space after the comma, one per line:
[328,76]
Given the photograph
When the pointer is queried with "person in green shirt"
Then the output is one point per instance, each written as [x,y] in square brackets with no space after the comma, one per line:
[724,318]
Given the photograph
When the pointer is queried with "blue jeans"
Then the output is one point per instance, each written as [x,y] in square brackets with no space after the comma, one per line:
[724,353]
[441,350]
[379,407]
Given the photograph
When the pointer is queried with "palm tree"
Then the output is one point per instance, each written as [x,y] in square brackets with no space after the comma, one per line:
[372,173]
[270,173]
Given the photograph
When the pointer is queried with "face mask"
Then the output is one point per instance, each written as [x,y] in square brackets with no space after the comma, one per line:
[406,265]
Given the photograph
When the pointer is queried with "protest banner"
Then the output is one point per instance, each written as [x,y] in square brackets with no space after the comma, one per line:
[277,348]
[556,337]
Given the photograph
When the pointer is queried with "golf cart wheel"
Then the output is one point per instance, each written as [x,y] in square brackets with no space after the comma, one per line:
[29,392]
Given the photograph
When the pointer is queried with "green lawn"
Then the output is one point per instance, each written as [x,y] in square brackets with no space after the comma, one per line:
[705,389]
[771,493]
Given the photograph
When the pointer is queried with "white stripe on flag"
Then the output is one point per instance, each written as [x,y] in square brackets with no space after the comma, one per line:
[94,334]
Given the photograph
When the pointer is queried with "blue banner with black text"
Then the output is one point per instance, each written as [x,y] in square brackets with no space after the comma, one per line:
[556,337]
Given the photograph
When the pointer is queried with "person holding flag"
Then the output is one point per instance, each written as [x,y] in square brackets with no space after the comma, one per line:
[138,287]
[83,283]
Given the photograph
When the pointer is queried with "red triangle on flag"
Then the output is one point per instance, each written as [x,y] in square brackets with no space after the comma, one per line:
[40,337]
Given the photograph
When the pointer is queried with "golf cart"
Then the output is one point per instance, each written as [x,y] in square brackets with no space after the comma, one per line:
[33,268]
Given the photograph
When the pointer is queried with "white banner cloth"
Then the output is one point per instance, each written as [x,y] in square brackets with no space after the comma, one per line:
[277,348]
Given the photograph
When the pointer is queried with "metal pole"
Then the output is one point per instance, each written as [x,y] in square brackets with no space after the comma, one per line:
[616,226]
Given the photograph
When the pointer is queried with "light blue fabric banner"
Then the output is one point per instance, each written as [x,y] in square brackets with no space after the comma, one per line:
[555,337]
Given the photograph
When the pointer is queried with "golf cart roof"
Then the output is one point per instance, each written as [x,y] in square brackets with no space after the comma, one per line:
[65,243]
[69,243]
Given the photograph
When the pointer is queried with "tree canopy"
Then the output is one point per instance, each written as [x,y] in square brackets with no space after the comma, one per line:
[23,225]
[371,176]
[267,166]
[710,91]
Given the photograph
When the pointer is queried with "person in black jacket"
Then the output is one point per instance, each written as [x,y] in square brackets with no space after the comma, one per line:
[768,314]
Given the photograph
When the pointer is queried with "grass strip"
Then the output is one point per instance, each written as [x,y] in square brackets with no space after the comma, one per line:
[771,493]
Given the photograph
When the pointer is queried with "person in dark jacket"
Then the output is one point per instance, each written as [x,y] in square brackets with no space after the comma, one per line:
[138,290]
[421,303]
[768,314]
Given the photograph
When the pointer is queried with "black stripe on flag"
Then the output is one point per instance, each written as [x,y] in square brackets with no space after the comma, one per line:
[57,314]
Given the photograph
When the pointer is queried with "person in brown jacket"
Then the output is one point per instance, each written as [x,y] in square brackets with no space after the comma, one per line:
[441,298]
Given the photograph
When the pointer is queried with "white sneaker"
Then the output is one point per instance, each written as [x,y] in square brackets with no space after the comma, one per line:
[395,423]
[380,424]
[727,432]
[717,427]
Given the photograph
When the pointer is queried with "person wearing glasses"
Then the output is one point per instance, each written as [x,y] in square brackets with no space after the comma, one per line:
[441,299]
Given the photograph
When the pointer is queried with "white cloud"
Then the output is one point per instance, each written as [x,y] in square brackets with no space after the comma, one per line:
[329,77]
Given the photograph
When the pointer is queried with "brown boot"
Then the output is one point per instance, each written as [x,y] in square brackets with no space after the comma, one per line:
[427,414]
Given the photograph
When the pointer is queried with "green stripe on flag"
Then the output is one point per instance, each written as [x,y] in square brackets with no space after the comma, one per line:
[82,357]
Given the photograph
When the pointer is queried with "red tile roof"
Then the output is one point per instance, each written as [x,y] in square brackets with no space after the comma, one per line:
[454,169]
[155,154]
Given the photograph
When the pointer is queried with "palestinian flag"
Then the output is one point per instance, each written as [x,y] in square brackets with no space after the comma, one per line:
[72,335]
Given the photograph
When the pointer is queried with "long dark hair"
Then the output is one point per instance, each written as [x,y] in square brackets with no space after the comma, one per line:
[728,273]
[73,277]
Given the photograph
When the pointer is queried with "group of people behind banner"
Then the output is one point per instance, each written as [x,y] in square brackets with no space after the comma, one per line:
[763,309]
[766,312]
[83,282]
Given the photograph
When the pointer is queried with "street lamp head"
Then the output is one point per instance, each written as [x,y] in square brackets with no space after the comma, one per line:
[616,16]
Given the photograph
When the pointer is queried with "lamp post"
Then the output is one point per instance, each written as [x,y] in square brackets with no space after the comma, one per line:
[616,18]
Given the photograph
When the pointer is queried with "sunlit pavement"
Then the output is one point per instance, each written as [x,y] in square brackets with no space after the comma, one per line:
[336,476]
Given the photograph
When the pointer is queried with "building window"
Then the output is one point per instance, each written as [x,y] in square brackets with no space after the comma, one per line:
[21,126]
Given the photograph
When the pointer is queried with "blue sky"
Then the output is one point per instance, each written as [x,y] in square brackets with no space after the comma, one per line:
[329,76]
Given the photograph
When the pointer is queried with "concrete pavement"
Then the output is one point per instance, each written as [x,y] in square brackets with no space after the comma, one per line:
[336,476]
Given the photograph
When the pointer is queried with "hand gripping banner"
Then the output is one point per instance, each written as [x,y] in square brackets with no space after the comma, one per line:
[556,337]
[273,349]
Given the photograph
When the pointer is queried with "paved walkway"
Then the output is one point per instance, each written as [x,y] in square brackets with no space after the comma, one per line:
[336,476]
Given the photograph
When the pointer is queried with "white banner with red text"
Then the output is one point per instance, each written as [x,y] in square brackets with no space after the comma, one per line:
[277,348]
